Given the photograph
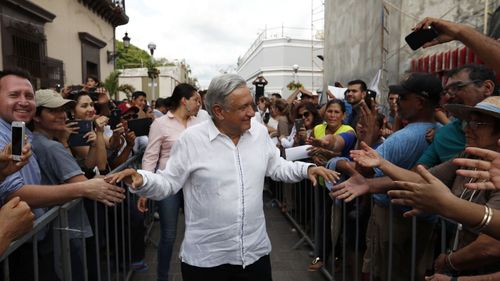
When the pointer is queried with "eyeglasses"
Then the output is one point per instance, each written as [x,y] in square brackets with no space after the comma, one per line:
[303,115]
[130,116]
[474,125]
[452,89]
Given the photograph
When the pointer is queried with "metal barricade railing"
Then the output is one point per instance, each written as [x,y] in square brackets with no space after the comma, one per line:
[343,260]
[107,255]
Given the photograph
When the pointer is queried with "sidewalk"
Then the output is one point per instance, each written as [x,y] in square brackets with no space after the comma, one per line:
[287,264]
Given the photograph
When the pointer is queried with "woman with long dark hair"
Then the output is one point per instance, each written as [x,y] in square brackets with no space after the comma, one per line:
[309,114]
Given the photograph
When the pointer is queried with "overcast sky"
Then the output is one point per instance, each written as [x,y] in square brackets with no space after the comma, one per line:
[209,35]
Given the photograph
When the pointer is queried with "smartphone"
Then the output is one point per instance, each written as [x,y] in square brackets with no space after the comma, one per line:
[115,118]
[419,37]
[299,123]
[18,131]
[77,139]
[140,126]
[369,97]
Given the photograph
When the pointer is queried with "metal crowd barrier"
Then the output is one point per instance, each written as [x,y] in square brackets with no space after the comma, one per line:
[309,210]
[107,255]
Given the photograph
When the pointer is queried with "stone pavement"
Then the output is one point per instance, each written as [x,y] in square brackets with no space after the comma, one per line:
[287,264]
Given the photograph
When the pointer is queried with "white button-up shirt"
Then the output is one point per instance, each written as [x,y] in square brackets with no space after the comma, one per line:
[223,185]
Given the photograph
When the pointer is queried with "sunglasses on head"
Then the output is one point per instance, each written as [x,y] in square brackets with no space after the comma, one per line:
[304,115]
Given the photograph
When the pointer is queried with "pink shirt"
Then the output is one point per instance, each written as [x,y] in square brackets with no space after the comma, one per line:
[163,134]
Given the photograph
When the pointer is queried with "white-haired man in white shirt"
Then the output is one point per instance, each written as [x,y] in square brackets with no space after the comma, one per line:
[220,165]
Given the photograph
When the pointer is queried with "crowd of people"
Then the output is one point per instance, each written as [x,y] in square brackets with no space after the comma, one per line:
[432,150]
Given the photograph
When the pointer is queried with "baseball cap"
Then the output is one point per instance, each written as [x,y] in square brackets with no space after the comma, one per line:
[422,84]
[126,107]
[50,99]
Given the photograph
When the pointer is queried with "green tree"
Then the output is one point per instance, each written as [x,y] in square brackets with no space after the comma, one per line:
[135,57]
[132,57]
[111,84]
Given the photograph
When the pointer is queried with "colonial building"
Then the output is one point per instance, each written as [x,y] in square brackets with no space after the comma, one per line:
[284,57]
[60,42]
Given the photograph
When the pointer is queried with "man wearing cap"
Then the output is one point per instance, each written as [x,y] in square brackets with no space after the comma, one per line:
[419,93]
[17,103]
[315,98]
[468,85]
[305,96]
[127,109]
[58,166]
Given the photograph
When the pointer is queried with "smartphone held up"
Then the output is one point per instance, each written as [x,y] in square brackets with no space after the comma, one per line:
[18,133]
[419,37]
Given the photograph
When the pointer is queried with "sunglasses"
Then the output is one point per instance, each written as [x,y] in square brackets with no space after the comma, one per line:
[304,115]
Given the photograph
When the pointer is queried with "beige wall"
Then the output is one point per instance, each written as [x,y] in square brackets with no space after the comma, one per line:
[353,45]
[62,36]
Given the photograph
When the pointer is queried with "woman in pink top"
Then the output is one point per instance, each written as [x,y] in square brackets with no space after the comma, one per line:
[165,131]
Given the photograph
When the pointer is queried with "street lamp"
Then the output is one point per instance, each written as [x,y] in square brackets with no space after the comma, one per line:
[152,48]
[295,68]
[126,41]
[152,71]
[111,56]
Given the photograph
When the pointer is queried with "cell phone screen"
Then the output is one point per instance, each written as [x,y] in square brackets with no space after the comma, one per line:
[17,140]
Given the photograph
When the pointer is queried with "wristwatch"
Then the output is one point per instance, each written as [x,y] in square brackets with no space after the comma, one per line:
[454,278]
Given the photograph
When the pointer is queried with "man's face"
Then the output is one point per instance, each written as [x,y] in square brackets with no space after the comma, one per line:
[52,119]
[393,101]
[354,95]
[460,89]
[238,110]
[140,102]
[408,105]
[17,99]
[315,99]
[306,98]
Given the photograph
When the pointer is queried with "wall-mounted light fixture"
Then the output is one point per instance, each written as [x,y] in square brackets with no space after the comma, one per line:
[113,55]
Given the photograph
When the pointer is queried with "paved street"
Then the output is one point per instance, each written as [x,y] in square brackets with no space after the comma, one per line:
[287,264]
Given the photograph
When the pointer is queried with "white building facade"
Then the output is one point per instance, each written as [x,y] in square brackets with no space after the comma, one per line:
[169,77]
[274,57]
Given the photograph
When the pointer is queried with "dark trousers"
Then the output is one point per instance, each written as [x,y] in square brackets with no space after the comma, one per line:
[258,271]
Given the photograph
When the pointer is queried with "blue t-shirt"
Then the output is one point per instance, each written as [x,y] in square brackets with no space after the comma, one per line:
[57,166]
[349,142]
[403,149]
[447,144]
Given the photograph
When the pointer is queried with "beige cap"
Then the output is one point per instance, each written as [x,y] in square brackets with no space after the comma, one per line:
[50,98]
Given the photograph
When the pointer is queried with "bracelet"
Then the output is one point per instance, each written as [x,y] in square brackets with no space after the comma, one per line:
[449,264]
[488,215]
